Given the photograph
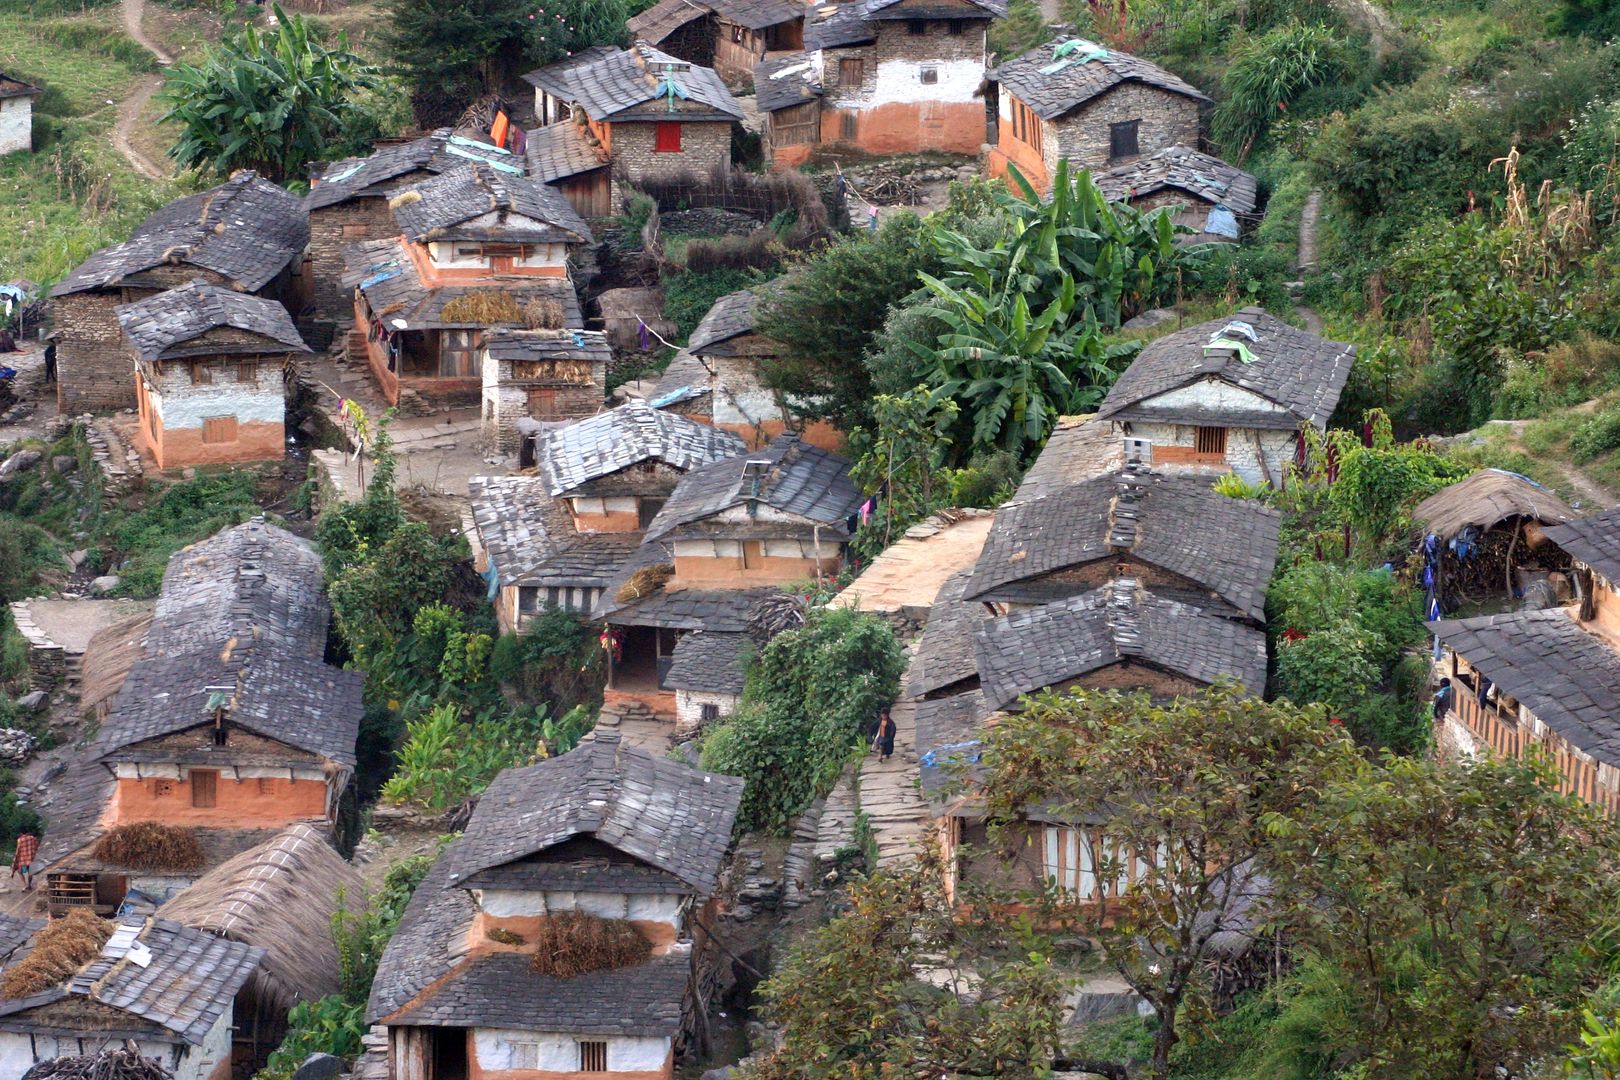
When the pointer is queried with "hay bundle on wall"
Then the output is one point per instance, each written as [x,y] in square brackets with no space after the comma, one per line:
[60,949]
[485,307]
[645,582]
[573,943]
[149,845]
[543,313]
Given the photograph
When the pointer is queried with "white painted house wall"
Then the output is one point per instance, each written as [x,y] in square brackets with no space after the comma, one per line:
[899,82]
[179,403]
[1246,447]
[689,709]
[16,124]
[508,1049]
[20,1051]
[508,903]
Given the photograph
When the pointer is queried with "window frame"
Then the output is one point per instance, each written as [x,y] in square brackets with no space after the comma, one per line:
[917,27]
[666,136]
[1133,128]
[458,342]
[849,65]
[593,1054]
[928,74]
[1210,441]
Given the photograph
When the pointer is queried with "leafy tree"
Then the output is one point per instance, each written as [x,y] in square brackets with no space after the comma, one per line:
[375,602]
[853,1003]
[1446,912]
[1268,73]
[902,455]
[270,100]
[1196,779]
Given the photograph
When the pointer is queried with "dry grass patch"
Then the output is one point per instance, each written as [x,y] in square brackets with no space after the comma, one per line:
[572,943]
[63,947]
[148,845]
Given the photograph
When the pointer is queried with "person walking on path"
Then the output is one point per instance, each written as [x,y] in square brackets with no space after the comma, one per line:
[23,862]
[884,739]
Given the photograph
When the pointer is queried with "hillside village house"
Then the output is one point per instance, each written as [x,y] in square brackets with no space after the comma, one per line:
[1213,199]
[603,833]
[210,369]
[540,376]
[167,988]
[553,539]
[732,36]
[1547,679]
[476,249]
[16,114]
[729,536]
[247,235]
[280,896]
[231,726]
[1093,105]
[348,201]
[1230,394]
[653,114]
[882,76]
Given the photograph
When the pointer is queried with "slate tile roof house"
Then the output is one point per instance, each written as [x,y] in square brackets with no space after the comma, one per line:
[247,235]
[231,725]
[475,249]
[16,114]
[167,987]
[731,534]
[605,832]
[1548,679]
[1213,199]
[730,352]
[280,896]
[210,370]
[652,113]
[1230,394]
[555,538]
[1096,106]
[883,76]
[539,376]
[732,36]
[348,201]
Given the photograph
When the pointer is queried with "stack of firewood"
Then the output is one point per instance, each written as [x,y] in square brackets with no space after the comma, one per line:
[123,1063]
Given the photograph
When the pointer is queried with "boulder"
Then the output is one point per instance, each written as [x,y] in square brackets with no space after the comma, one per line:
[77,557]
[62,464]
[34,701]
[1149,319]
[320,1067]
[106,583]
[16,463]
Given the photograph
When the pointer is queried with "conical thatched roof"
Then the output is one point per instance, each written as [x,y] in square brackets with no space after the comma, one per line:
[280,896]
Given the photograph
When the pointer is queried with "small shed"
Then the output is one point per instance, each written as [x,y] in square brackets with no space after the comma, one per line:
[1485,532]
[16,114]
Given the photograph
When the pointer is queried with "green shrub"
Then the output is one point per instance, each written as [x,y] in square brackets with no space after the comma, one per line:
[556,659]
[181,514]
[25,552]
[638,208]
[688,297]
[1597,435]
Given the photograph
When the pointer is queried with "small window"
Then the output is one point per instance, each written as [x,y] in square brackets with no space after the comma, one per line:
[1212,440]
[523,1055]
[646,510]
[219,735]
[247,371]
[916,27]
[357,232]
[1122,139]
[219,429]
[458,350]
[708,712]
[736,34]
[528,598]
[955,27]
[204,787]
[473,252]
[929,74]
[267,786]
[668,137]
[201,374]
[851,72]
[846,125]
[593,1057]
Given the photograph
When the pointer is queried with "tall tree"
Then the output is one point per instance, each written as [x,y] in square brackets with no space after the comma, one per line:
[270,100]
[1184,789]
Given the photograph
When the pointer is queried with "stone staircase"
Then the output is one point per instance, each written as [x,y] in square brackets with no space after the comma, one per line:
[889,796]
[114,453]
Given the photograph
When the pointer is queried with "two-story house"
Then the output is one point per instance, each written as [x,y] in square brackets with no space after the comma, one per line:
[1093,105]
[651,114]
[539,376]
[732,36]
[554,538]
[1230,394]
[475,249]
[247,235]
[562,935]
[229,728]
[210,374]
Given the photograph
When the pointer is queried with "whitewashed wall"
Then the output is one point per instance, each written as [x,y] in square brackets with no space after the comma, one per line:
[179,403]
[16,124]
[19,1051]
[157,771]
[505,1048]
[507,903]
[900,82]
[689,709]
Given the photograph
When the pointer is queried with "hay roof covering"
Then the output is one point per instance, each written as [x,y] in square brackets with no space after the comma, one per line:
[1486,499]
[280,896]
[108,656]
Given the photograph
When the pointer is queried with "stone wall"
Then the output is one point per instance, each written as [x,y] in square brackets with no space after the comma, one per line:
[1082,136]
[47,660]
[893,110]
[95,371]
[689,710]
[1259,455]
[705,146]
[330,229]
[16,124]
[174,409]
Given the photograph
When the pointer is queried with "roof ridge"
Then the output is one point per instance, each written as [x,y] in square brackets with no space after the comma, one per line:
[1125,507]
[1122,609]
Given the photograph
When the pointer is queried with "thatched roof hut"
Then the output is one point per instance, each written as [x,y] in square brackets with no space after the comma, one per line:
[1489,527]
[1487,499]
[280,896]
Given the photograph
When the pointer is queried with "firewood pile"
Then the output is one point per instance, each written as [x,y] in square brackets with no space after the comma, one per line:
[123,1063]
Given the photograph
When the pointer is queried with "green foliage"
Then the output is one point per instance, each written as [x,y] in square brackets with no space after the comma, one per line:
[556,659]
[688,297]
[272,101]
[141,543]
[808,701]
[445,759]
[15,818]
[376,601]
[1234,486]
[1267,74]
[1023,28]
[25,551]
[328,1025]
[903,455]
[1598,434]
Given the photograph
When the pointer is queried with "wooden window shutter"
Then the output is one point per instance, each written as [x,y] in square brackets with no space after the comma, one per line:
[851,72]
[219,429]
[1122,140]
[1212,440]
[667,137]
[204,787]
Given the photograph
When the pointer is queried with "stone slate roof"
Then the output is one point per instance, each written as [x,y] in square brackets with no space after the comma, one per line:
[944,655]
[629,85]
[558,151]
[1184,169]
[246,229]
[191,980]
[719,611]
[555,78]
[72,806]
[572,456]
[667,16]
[450,206]
[685,373]
[1174,522]
[854,23]
[1087,71]
[785,81]
[888,9]
[759,14]
[1295,369]
[1568,677]
[944,725]
[793,478]
[508,344]
[664,18]
[438,152]
[730,316]
[11,87]
[386,275]
[1043,646]
[1078,449]
[532,541]
[160,326]
[709,662]
[1593,540]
